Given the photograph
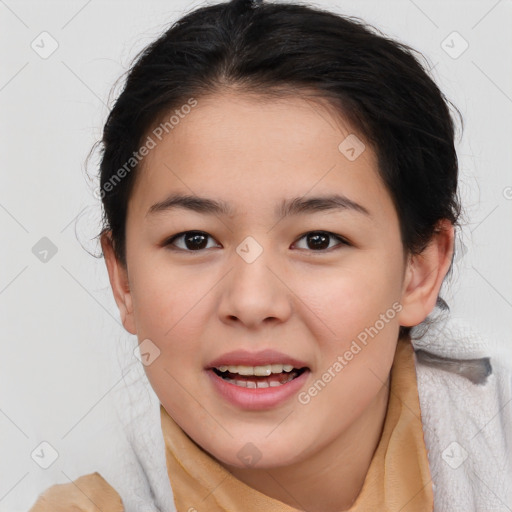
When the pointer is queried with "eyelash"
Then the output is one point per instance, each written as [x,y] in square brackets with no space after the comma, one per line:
[169,241]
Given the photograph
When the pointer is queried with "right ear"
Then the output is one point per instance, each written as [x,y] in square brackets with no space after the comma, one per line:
[118,276]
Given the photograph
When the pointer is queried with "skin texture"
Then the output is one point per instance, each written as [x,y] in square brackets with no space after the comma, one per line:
[307,303]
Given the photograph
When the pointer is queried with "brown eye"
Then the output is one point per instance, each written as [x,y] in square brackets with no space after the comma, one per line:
[321,240]
[190,240]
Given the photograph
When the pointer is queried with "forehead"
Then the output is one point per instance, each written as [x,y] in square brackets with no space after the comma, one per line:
[242,123]
[255,150]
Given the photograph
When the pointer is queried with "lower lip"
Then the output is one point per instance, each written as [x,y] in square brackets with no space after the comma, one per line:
[257,398]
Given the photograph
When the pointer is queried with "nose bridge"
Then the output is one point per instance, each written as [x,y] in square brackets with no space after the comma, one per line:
[252,292]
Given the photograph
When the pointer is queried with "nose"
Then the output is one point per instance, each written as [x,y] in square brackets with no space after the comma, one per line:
[255,293]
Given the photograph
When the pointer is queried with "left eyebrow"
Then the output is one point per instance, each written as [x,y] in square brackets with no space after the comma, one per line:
[288,207]
[299,205]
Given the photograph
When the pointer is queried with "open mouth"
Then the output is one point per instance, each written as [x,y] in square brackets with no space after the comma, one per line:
[257,377]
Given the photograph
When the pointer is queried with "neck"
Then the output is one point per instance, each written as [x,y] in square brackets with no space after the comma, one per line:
[332,479]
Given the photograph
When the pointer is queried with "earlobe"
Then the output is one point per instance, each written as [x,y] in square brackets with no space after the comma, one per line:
[424,276]
[118,276]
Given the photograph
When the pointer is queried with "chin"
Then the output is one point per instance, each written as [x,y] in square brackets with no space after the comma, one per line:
[263,455]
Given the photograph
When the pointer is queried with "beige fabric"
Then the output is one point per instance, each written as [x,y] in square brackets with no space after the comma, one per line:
[398,478]
[89,493]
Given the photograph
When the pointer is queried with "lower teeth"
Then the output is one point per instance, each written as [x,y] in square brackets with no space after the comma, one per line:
[260,384]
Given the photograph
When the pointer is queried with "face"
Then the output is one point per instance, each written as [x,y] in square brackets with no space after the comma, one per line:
[303,267]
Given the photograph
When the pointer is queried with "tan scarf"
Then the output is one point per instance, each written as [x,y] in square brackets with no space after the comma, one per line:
[398,478]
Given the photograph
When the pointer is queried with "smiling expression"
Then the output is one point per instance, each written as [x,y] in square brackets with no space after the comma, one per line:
[251,241]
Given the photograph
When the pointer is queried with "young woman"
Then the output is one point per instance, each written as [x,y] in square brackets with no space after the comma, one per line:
[280,194]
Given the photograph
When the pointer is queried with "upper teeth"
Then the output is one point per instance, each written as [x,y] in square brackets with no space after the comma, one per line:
[260,371]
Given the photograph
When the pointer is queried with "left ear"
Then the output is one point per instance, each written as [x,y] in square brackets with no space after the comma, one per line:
[424,276]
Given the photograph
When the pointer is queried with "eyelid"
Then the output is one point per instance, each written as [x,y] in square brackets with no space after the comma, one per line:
[173,238]
[341,239]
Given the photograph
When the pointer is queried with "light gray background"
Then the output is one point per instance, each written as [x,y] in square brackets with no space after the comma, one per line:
[62,359]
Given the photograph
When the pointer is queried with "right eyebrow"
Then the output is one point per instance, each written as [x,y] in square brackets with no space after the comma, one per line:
[193,203]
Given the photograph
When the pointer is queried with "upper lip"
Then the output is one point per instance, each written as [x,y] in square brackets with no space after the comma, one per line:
[246,358]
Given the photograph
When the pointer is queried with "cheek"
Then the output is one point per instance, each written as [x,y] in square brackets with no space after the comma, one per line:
[352,297]
[172,308]
[356,353]
[165,298]
[357,310]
